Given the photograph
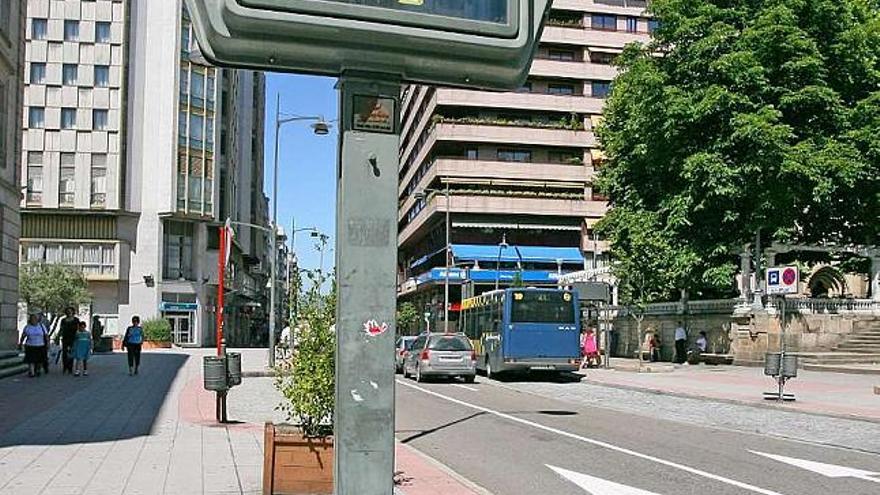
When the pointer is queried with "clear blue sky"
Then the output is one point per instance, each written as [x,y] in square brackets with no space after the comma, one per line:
[307,162]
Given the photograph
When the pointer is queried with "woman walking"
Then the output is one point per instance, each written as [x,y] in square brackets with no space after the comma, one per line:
[82,347]
[69,326]
[134,338]
[34,339]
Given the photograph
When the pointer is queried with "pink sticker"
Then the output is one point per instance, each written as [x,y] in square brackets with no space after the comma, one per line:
[374,328]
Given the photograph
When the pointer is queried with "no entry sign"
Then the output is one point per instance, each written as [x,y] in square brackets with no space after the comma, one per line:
[783,280]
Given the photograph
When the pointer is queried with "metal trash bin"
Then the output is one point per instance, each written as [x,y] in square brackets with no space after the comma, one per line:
[215,373]
[790,366]
[233,363]
[772,363]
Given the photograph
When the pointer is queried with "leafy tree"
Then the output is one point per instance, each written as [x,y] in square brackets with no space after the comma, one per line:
[50,287]
[407,318]
[742,115]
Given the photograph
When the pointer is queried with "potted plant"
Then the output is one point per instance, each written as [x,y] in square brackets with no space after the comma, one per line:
[157,334]
[298,457]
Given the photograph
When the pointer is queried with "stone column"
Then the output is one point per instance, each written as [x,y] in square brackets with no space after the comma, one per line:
[745,269]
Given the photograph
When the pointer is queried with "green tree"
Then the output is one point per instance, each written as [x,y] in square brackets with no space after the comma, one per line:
[50,288]
[741,115]
[407,318]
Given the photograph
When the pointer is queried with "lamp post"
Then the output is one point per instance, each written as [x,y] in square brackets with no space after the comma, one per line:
[321,128]
[502,245]
[420,195]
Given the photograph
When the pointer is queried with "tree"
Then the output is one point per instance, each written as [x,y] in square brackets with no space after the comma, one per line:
[51,288]
[407,318]
[742,115]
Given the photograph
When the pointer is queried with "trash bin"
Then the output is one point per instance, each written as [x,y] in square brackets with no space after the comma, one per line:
[215,373]
[772,364]
[789,366]
[233,363]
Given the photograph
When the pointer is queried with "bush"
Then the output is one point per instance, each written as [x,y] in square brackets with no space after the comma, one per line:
[157,330]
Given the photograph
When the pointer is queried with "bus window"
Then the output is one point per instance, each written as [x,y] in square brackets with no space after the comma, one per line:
[542,307]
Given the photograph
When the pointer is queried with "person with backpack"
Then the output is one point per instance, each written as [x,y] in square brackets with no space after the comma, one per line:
[69,327]
[133,340]
[34,339]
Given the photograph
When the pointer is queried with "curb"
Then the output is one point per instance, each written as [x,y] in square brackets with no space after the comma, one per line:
[841,369]
[258,374]
[470,485]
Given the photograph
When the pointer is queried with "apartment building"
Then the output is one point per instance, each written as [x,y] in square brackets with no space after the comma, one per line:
[134,153]
[514,170]
[11,72]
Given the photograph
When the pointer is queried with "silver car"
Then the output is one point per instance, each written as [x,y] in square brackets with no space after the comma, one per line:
[400,349]
[441,354]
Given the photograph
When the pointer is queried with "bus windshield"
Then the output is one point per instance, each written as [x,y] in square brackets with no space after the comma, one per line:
[542,307]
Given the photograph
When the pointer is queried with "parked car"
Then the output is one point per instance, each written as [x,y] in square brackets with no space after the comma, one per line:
[441,355]
[400,349]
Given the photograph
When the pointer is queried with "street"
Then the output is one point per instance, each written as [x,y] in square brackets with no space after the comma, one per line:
[511,441]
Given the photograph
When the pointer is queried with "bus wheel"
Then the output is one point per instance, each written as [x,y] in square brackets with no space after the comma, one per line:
[489,373]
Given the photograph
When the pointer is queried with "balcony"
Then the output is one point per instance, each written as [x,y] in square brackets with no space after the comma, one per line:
[523,101]
[478,130]
[591,37]
[621,7]
[99,261]
[543,67]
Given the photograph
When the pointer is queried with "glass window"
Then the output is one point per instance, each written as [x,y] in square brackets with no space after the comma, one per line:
[39,27]
[209,133]
[99,120]
[102,32]
[542,307]
[102,76]
[71,30]
[99,180]
[184,81]
[511,155]
[67,180]
[196,129]
[178,242]
[560,89]
[197,84]
[653,25]
[472,153]
[563,55]
[449,343]
[36,117]
[35,177]
[604,22]
[602,58]
[210,91]
[68,118]
[38,73]
[69,74]
[601,89]
[570,157]
[525,88]
[632,24]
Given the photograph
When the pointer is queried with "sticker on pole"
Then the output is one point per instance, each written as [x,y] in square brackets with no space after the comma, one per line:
[783,280]
[374,328]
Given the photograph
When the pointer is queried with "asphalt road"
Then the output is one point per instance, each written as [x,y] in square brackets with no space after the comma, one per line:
[511,442]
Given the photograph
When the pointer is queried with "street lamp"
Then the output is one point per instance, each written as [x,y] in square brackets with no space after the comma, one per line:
[320,127]
[421,195]
[501,246]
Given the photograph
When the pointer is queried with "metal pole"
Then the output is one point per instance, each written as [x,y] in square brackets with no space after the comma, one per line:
[448,253]
[498,262]
[221,282]
[273,260]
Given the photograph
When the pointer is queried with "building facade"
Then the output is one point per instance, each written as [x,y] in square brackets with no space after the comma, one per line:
[126,139]
[514,170]
[11,76]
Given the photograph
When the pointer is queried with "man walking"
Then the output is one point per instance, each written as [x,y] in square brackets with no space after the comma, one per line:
[69,327]
[132,342]
[680,343]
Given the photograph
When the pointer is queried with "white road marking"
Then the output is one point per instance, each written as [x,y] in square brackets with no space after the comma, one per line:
[827,470]
[597,486]
[598,443]
[472,389]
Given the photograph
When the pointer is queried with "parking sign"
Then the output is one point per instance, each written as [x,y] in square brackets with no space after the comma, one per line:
[783,280]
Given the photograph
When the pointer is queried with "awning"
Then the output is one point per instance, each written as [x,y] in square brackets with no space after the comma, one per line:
[515,226]
[529,254]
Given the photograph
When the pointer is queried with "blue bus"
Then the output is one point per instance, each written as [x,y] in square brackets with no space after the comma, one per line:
[523,329]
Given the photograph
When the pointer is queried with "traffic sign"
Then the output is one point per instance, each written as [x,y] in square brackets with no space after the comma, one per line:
[783,280]
[473,43]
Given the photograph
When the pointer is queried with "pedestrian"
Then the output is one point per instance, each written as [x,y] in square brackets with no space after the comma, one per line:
[590,349]
[654,347]
[702,342]
[82,347]
[680,343]
[133,340]
[34,339]
[69,327]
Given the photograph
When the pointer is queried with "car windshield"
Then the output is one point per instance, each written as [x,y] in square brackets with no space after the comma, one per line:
[449,343]
[542,307]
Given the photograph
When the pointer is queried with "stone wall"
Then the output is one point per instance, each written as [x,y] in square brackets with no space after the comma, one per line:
[716,326]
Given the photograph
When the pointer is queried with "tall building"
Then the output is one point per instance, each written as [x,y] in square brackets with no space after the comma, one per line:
[132,147]
[11,72]
[518,166]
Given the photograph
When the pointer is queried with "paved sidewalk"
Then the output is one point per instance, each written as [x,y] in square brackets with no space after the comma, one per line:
[825,393]
[154,433]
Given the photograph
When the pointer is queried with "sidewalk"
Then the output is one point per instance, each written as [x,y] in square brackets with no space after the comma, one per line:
[817,392]
[154,433]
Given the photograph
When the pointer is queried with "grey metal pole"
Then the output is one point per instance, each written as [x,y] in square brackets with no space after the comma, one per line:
[273,260]
[448,252]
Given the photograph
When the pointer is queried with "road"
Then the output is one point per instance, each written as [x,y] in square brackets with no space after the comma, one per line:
[511,441]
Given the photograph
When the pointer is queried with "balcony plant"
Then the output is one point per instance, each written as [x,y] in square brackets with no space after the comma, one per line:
[306,381]
[157,334]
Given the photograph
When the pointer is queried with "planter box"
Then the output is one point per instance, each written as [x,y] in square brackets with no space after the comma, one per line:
[294,465]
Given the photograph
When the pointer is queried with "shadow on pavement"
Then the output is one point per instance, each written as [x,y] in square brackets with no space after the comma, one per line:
[539,377]
[107,405]
[431,431]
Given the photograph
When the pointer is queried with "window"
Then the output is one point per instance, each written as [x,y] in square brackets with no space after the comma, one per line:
[69,74]
[196,175]
[38,29]
[563,55]
[38,73]
[602,58]
[600,89]
[102,76]
[604,22]
[567,157]
[71,30]
[98,190]
[632,24]
[67,180]
[542,307]
[99,120]
[102,32]
[34,178]
[5,7]
[525,88]
[196,129]
[653,25]
[560,89]
[36,117]
[68,118]
[472,154]
[177,247]
[511,155]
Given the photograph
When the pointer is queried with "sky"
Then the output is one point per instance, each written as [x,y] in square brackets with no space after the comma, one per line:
[307,162]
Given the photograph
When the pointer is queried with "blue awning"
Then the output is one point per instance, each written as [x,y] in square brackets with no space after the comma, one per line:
[527,254]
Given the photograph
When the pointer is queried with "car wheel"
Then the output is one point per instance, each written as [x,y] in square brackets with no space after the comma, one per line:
[419,377]
[469,378]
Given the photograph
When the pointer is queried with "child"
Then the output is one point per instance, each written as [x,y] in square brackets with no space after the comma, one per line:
[590,349]
[82,347]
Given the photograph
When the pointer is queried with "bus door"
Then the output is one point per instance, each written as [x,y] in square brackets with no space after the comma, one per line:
[541,324]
